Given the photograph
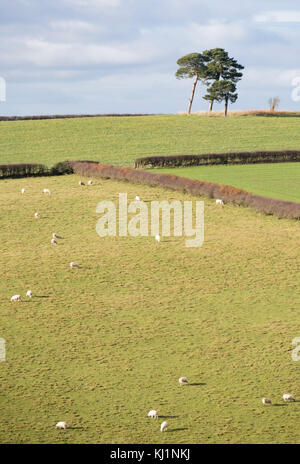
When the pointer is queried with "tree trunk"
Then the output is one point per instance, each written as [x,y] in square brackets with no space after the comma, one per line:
[192,95]
[226,106]
[211,105]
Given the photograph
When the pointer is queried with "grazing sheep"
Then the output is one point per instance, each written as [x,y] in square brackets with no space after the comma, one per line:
[56,236]
[61,425]
[16,298]
[73,264]
[36,215]
[137,198]
[183,381]
[29,293]
[163,426]
[288,397]
[90,182]
[53,241]
[219,202]
[157,238]
[266,401]
[153,413]
[81,183]
[23,191]
[47,191]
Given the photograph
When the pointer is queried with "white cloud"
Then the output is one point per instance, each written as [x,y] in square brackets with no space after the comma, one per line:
[283,16]
[100,4]
[73,26]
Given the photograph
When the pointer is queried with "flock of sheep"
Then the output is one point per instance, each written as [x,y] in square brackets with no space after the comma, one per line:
[153,413]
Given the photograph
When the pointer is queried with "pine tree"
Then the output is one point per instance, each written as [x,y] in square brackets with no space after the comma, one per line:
[192,65]
[220,66]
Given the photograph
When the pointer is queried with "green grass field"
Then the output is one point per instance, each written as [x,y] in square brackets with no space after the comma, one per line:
[100,346]
[280,180]
[120,140]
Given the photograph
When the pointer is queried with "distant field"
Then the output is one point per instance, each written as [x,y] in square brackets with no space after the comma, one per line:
[120,140]
[280,180]
[100,346]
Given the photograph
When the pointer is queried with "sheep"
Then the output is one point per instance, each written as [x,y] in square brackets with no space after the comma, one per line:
[47,191]
[16,298]
[23,191]
[137,198]
[29,293]
[219,202]
[183,381]
[81,183]
[90,182]
[53,241]
[61,425]
[56,236]
[157,238]
[266,401]
[163,426]
[288,397]
[73,264]
[153,413]
[36,215]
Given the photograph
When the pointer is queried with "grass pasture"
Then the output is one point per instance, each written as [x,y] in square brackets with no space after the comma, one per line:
[274,180]
[120,140]
[100,346]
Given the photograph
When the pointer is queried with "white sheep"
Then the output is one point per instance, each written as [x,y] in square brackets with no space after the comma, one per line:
[73,264]
[90,182]
[183,381]
[137,198]
[266,401]
[81,183]
[163,426]
[23,191]
[53,241]
[153,413]
[56,236]
[16,298]
[29,293]
[157,238]
[61,425]
[219,202]
[47,191]
[288,397]
[36,215]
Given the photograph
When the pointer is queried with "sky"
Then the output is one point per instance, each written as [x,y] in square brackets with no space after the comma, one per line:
[119,56]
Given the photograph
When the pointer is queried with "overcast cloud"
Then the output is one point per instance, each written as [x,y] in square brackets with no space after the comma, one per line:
[119,56]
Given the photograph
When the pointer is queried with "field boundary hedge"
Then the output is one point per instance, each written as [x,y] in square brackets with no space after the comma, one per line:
[206,159]
[233,195]
[69,116]
[18,170]
[23,170]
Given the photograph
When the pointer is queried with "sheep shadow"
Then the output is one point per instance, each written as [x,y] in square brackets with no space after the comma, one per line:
[280,404]
[168,417]
[177,430]
[75,428]
[41,296]
[197,384]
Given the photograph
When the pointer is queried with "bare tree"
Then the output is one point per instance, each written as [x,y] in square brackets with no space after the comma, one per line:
[273,102]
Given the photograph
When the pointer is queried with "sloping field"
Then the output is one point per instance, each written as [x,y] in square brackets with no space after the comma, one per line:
[100,346]
[280,180]
[119,140]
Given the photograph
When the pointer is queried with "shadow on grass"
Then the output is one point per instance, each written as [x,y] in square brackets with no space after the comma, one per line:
[196,384]
[177,430]
[41,296]
[280,404]
[76,428]
[168,417]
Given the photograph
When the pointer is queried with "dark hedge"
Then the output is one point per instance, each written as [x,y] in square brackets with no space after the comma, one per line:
[23,170]
[221,158]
